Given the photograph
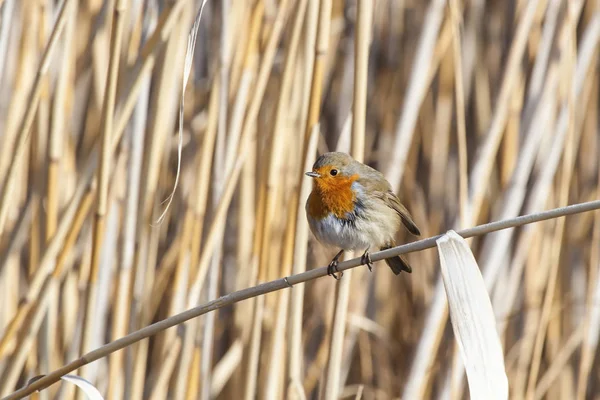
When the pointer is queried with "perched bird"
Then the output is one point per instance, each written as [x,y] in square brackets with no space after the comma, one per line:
[352,207]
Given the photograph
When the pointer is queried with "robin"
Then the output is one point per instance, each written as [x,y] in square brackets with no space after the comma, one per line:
[352,207]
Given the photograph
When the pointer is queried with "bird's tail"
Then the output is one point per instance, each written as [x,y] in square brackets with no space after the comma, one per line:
[398,263]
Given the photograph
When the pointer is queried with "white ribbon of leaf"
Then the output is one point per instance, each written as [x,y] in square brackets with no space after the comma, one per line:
[472,318]
[90,390]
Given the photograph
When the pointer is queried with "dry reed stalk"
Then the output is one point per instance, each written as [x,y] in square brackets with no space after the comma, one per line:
[200,205]
[264,70]
[362,43]
[180,285]
[359,108]
[535,107]
[280,142]
[181,374]
[203,172]
[300,247]
[441,142]
[126,312]
[238,140]
[318,28]
[572,142]
[135,141]
[415,93]
[161,281]
[483,163]
[44,270]
[590,334]
[210,243]
[141,312]
[559,363]
[259,205]
[443,44]
[541,190]
[225,150]
[518,195]
[23,81]
[145,63]
[7,10]
[194,372]
[448,84]
[437,318]
[144,277]
[28,118]
[509,150]
[226,367]
[249,245]
[461,134]
[98,59]
[541,186]
[250,390]
[24,342]
[54,245]
[117,7]
[124,284]
[163,111]
[183,267]
[273,184]
[274,386]
[39,357]
[336,339]
[299,266]
[246,275]
[544,48]
[321,44]
[55,153]
[275,383]
[212,270]
[16,241]
[213,274]
[160,383]
[533,288]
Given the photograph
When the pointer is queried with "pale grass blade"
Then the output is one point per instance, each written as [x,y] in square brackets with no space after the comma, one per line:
[90,390]
[472,318]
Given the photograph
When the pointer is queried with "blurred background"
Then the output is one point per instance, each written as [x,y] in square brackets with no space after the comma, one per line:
[474,110]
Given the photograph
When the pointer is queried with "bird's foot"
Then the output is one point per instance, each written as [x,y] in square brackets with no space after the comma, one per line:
[366,259]
[332,269]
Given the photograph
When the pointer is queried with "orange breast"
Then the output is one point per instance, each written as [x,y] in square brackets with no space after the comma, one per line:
[332,195]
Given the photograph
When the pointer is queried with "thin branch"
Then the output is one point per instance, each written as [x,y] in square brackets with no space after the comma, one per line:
[283,283]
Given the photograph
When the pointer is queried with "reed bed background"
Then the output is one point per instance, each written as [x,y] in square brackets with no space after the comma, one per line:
[475,111]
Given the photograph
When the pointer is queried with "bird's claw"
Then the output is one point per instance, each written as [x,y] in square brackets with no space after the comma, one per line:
[332,267]
[332,270]
[366,259]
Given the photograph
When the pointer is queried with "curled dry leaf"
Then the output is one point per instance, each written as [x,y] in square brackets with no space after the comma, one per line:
[473,320]
[89,389]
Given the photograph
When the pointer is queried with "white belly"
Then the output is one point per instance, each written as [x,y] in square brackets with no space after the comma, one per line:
[331,231]
[361,236]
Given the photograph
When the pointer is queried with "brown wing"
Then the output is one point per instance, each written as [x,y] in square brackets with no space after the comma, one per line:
[394,202]
[375,183]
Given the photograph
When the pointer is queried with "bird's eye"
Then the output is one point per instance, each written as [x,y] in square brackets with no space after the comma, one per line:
[333,172]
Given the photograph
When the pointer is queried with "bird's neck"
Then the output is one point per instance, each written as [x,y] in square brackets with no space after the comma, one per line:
[336,198]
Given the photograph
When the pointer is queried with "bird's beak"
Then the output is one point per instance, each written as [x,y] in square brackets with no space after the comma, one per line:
[312,174]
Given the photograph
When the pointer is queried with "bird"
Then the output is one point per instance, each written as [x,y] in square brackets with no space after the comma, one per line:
[353,207]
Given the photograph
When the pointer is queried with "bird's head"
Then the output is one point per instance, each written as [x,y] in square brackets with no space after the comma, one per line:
[334,171]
